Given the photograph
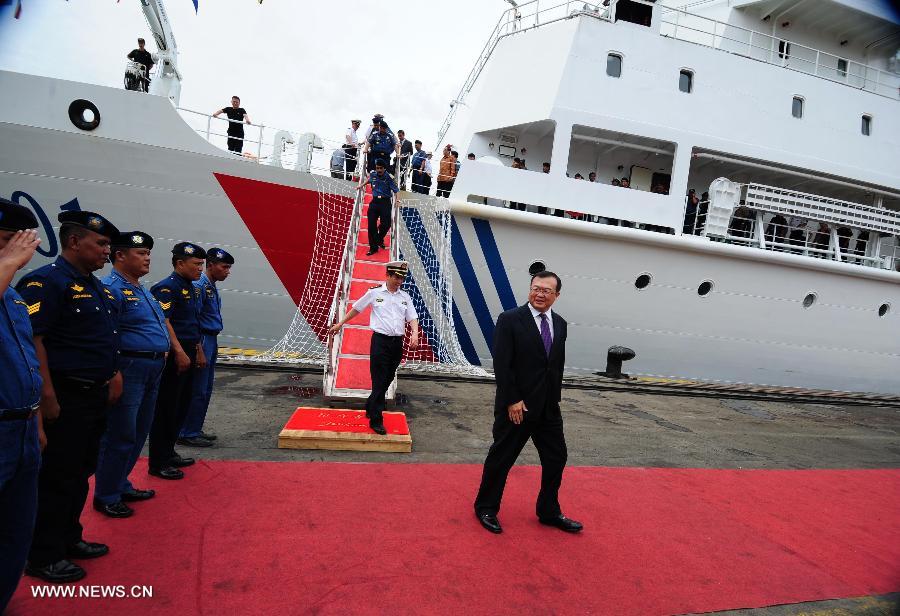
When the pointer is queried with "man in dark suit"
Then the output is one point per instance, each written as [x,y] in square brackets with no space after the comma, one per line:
[529,354]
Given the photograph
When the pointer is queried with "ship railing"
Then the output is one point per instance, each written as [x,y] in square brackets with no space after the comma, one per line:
[679,24]
[816,226]
[522,18]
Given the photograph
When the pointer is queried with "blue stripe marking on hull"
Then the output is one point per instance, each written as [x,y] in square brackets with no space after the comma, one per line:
[494,262]
[470,283]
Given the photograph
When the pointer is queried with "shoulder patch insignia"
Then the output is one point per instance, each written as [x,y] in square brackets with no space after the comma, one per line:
[127,292]
[34,283]
[20,302]
[165,305]
[185,292]
[33,308]
[77,288]
[165,290]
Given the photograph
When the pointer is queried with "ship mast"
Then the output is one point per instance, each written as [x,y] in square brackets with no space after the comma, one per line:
[168,80]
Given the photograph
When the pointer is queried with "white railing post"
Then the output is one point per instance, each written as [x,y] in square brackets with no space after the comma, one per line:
[259,143]
[750,45]
[208,122]
[677,18]
[816,68]
[537,12]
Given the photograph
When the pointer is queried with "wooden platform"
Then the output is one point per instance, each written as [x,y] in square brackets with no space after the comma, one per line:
[343,429]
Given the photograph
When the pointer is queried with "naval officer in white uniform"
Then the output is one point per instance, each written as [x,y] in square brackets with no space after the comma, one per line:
[392,309]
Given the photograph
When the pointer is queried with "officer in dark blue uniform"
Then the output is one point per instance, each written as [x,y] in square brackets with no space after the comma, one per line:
[20,392]
[145,341]
[180,302]
[218,268]
[383,188]
[77,344]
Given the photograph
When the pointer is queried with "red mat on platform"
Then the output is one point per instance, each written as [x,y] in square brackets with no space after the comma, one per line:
[342,420]
[326,538]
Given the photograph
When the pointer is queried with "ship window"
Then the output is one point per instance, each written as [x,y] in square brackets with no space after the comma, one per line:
[686,81]
[784,50]
[797,107]
[705,287]
[809,300]
[883,309]
[614,65]
[866,126]
[842,67]
[642,281]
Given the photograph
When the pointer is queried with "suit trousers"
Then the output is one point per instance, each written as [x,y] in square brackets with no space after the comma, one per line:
[379,220]
[384,357]
[20,461]
[172,404]
[546,431]
[69,459]
[127,427]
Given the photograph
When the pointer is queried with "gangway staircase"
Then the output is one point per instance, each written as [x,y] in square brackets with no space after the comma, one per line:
[347,369]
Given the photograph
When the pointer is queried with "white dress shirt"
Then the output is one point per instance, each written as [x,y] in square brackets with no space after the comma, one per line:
[351,138]
[536,314]
[390,311]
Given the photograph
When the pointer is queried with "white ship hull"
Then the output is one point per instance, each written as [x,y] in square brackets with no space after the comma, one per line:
[145,169]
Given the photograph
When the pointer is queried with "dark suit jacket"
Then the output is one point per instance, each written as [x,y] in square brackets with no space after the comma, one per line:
[521,366]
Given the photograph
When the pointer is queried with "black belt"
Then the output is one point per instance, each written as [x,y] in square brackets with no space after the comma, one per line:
[209,332]
[14,414]
[144,354]
[374,333]
[80,383]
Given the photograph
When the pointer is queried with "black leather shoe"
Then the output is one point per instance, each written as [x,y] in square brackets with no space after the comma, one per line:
[87,549]
[490,522]
[209,437]
[372,251]
[114,510]
[179,462]
[563,523]
[58,573]
[378,427]
[194,441]
[137,495]
[167,472]
[381,245]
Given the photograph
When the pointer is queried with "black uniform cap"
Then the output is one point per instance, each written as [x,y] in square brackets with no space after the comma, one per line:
[90,221]
[15,217]
[188,250]
[220,256]
[133,239]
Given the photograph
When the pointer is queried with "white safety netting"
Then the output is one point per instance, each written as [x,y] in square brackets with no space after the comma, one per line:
[424,240]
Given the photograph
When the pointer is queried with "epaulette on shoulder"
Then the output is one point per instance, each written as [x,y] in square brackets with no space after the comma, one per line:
[377,286]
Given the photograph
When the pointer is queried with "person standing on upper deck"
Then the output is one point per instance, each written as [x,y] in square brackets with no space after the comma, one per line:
[143,57]
[381,145]
[446,172]
[351,148]
[402,160]
[237,117]
[383,188]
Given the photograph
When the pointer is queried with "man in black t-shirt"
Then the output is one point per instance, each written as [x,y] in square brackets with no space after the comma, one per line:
[238,117]
[142,56]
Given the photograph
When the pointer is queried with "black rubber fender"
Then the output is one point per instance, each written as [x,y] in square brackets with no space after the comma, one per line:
[76,114]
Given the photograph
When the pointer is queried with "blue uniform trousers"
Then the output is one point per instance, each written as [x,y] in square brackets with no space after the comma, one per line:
[20,461]
[127,427]
[202,389]
[70,458]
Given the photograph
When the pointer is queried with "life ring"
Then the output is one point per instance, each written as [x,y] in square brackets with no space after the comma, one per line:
[76,114]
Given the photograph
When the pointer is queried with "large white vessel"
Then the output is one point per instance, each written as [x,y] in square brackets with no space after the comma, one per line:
[785,112]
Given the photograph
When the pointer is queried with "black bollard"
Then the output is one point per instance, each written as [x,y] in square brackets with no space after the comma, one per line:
[614,358]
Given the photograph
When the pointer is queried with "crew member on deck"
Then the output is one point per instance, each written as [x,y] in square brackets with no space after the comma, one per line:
[180,304]
[77,345]
[392,309]
[383,188]
[20,392]
[145,341]
[218,267]
[143,57]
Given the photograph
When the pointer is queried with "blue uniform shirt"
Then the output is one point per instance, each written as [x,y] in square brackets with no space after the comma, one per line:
[73,313]
[383,185]
[180,303]
[382,144]
[210,306]
[142,324]
[20,377]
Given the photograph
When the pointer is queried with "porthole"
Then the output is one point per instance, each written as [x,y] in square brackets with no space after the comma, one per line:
[705,288]
[883,309]
[866,125]
[84,114]
[537,267]
[614,65]
[797,107]
[686,81]
[809,300]
[642,281]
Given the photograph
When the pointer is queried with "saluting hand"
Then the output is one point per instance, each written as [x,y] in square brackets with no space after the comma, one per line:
[21,247]
[517,412]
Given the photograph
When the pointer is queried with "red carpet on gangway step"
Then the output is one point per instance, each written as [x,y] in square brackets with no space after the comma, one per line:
[330,538]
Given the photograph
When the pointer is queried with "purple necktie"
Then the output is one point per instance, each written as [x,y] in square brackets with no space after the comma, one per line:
[545,333]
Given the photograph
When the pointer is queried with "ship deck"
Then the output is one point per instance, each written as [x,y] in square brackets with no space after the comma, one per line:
[693,501]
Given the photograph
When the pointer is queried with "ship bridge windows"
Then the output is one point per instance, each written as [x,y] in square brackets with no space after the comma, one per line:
[609,157]
[523,146]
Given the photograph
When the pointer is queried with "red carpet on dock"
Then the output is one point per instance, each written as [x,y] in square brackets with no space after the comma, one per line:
[331,538]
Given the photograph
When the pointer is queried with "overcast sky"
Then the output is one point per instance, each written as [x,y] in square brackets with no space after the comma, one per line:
[307,65]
